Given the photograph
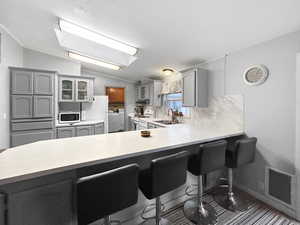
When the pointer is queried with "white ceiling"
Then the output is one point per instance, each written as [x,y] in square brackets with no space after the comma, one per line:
[175,33]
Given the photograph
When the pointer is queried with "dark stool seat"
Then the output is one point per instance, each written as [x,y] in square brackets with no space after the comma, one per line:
[210,157]
[242,152]
[101,195]
[164,175]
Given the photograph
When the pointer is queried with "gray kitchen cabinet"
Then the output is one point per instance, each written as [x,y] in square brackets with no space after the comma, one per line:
[99,128]
[21,106]
[65,132]
[22,82]
[195,88]
[26,137]
[43,83]
[42,106]
[32,105]
[143,92]
[84,130]
[189,89]
[44,205]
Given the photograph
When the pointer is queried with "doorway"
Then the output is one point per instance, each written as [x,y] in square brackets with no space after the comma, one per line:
[116,108]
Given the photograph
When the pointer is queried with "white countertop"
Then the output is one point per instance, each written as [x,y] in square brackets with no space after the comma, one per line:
[51,156]
[81,123]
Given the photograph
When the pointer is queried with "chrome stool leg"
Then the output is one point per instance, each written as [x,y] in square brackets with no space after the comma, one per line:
[157,220]
[198,211]
[227,199]
[108,221]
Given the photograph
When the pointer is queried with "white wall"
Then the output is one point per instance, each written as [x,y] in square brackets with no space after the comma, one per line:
[38,60]
[12,55]
[103,80]
[297,135]
[269,108]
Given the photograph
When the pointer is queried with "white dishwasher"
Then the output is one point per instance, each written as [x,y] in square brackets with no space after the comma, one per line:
[116,121]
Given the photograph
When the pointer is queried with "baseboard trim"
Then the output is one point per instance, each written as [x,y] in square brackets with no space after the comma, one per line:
[283,208]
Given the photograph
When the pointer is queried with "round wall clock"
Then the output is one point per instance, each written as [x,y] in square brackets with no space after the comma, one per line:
[256,75]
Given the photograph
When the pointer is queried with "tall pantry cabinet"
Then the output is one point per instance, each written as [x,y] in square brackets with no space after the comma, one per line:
[31,105]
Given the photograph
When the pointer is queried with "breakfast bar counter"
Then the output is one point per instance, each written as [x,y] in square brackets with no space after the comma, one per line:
[38,180]
[58,155]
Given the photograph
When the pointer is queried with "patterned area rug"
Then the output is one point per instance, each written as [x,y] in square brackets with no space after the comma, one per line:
[257,214]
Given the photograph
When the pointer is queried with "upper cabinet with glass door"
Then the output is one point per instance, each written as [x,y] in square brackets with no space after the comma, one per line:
[66,89]
[84,92]
[73,89]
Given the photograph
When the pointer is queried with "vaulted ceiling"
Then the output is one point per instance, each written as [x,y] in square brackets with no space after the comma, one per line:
[172,33]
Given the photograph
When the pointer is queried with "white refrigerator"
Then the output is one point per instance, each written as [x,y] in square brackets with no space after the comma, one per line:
[97,110]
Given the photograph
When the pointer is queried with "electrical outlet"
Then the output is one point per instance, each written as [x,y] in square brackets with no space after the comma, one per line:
[4,116]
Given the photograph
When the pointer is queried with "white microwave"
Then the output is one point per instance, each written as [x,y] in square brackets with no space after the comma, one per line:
[69,117]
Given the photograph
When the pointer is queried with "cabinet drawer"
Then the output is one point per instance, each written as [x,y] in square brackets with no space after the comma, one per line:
[32,125]
[21,138]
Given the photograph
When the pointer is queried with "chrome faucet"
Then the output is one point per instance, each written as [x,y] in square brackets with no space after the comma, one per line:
[173,115]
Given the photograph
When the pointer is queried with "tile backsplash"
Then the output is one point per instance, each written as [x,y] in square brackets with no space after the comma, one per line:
[223,111]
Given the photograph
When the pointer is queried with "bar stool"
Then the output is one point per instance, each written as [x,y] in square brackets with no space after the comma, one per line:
[101,195]
[210,157]
[241,153]
[165,174]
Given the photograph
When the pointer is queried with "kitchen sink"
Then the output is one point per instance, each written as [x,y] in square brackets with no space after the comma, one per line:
[166,122]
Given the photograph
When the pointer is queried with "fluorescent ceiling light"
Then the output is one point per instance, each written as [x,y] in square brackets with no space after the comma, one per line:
[98,38]
[92,61]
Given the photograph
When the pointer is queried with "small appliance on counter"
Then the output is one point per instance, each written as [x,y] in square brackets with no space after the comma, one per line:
[69,117]
[139,110]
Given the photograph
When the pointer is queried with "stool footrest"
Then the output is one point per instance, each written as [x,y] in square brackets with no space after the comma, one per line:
[189,189]
[149,208]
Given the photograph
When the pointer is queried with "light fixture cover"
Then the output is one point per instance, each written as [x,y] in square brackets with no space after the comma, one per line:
[90,60]
[89,48]
[168,71]
[96,37]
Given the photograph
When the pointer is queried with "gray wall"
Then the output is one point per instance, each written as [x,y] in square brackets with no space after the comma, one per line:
[12,55]
[269,108]
[38,60]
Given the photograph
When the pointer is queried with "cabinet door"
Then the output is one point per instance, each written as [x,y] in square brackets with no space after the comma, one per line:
[22,82]
[66,89]
[26,137]
[189,88]
[21,106]
[99,128]
[65,132]
[45,205]
[43,83]
[82,90]
[42,106]
[84,130]
[156,97]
